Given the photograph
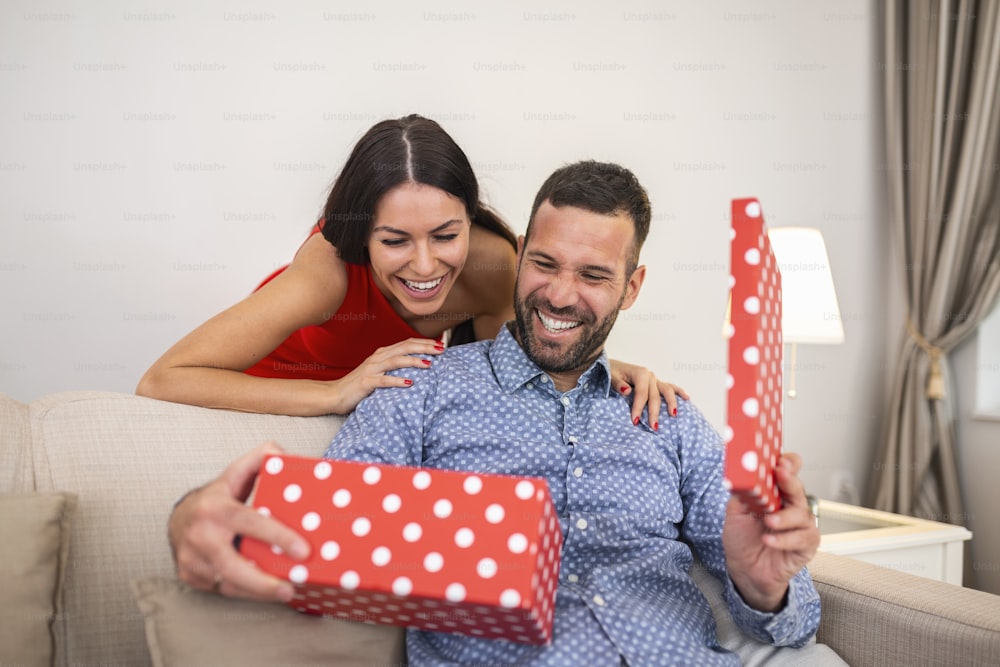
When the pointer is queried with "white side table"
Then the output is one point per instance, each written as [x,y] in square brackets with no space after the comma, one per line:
[925,548]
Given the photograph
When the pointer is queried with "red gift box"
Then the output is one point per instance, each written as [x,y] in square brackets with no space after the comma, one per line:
[439,550]
[753,433]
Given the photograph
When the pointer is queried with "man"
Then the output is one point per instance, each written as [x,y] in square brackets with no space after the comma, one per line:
[537,401]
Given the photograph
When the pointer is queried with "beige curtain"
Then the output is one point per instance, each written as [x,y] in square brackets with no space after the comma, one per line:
[941,73]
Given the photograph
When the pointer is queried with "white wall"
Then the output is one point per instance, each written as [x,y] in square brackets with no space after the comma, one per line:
[156,163]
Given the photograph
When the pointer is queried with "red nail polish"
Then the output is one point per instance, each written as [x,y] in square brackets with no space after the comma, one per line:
[635,422]
[425,362]
[656,426]
[624,389]
[407,382]
[675,412]
[439,347]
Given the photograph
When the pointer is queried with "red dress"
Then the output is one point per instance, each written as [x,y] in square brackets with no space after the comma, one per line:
[329,351]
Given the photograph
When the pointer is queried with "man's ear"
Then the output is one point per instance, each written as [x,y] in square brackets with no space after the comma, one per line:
[520,248]
[633,286]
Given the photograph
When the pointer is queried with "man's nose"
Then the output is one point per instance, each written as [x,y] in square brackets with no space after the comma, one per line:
[561,291]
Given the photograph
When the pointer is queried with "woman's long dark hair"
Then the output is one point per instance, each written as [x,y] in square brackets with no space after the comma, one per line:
[410,149]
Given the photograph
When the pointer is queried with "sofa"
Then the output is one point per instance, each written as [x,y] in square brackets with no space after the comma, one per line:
[87,481]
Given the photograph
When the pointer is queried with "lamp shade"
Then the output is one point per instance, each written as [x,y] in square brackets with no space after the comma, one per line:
[810,313]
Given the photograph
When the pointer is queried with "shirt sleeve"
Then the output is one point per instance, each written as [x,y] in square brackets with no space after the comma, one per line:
[701,453]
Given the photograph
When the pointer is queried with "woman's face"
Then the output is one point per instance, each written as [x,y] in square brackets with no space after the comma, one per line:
[418,246]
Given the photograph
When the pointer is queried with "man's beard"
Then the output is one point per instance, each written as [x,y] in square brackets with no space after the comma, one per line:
[555,358]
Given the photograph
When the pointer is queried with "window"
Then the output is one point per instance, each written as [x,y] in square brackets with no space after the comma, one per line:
[988,366]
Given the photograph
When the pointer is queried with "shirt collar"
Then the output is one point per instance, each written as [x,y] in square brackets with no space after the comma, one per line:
[513,368]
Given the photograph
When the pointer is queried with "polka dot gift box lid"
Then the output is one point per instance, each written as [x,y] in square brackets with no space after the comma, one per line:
[753,404]
[439,550]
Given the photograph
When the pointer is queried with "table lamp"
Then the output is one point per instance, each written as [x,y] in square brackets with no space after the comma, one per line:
[810,313]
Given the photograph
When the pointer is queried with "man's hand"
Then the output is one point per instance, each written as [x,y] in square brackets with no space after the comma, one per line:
[764,551]
[204,523]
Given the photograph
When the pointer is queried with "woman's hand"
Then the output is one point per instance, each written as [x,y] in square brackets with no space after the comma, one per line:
[646,390]
[371,374]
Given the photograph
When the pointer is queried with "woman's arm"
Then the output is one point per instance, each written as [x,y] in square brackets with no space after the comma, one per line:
[205,367]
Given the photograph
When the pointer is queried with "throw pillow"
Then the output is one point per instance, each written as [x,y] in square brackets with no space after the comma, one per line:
[188,627]
[33,556]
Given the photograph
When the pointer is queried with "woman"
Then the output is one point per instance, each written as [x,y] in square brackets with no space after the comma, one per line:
[404,253]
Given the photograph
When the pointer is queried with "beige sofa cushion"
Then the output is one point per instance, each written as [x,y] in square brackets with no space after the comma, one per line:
[129,459]
[878,616]
[186,627]
[33,554]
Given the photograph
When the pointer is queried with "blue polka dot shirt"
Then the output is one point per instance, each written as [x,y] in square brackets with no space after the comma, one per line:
[632,504]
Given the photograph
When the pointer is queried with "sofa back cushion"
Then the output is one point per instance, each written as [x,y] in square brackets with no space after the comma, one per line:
[128,459]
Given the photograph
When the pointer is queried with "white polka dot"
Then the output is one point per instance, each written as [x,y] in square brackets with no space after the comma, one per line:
[276,550]
[751,355]
[486,568]
[510,598]
[292,493]
[749,461]
[495,513]
[402,586]
[299,574]
[381,556]
[517,543]
[729,331]
[472,485]
[464,537]
[442,508]
[753,209]
[310,521]
[752,305]
[524,489]
[421,480]
[264,511]
[361,526]
[433,562]
[329,551]
[412,532]
[455,592]
[349,580]
[342,498]
[391,503]
[274,465]
[732,281]
[728,434]
[752,257]
[371,475]
[323,470]
[750,407]
[729,381]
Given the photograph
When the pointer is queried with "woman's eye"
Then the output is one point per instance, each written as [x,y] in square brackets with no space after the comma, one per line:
[446,237]
[393,243]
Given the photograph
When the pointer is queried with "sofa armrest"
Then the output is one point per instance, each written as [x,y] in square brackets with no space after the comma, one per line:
[877,616]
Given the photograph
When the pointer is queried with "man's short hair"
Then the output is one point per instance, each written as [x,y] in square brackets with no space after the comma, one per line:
[599,187]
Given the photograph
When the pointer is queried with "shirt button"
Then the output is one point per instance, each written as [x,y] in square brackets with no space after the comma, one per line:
[545,378]
[573,578]
[598,600]
[578,472]
[565,400]
[573,438]
[581,524]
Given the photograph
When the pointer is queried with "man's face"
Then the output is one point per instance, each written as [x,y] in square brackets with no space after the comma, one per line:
[571,283]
